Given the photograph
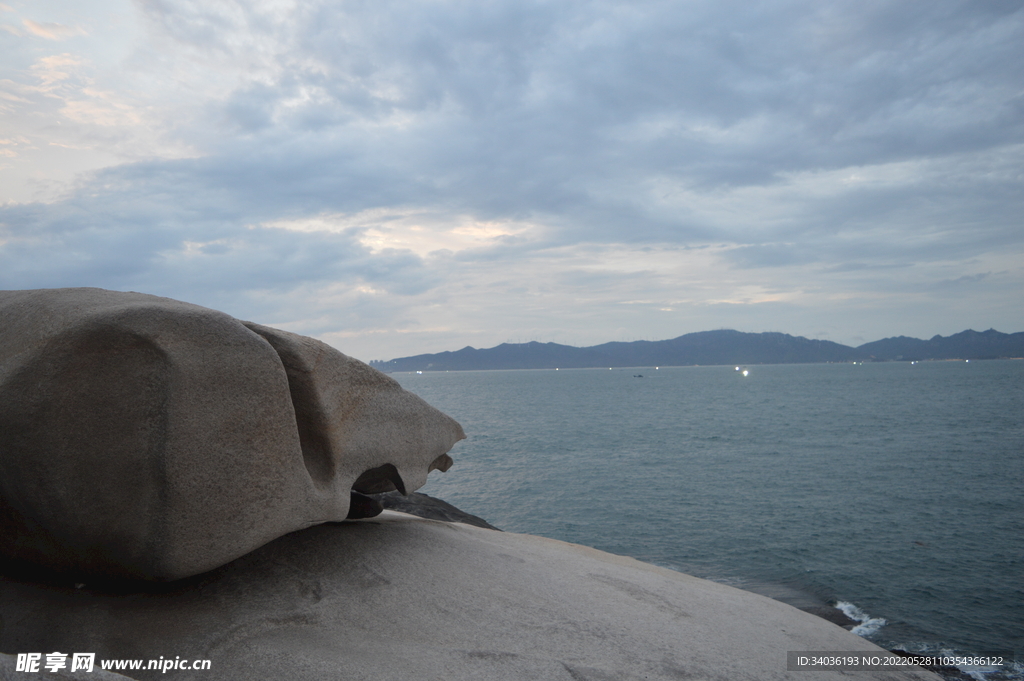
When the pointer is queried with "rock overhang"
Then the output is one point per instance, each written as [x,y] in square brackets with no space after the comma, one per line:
[144,437]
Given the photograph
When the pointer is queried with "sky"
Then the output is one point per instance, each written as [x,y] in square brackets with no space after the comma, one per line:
[402,177]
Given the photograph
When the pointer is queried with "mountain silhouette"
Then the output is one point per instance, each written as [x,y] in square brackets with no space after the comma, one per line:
[713,347]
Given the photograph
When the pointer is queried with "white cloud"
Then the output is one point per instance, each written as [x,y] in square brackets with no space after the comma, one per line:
[423,232]
[75,113]
[52,31]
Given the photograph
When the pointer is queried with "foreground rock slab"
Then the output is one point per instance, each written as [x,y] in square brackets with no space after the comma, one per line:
[144,437]
[399,597]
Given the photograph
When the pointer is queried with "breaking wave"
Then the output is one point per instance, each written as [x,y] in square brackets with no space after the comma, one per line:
[868,625]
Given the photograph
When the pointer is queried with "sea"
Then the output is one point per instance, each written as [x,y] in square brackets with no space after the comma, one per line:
[893,491]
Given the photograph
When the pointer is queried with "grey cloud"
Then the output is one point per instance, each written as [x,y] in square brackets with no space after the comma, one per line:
[161,227]
[562,113]
[965,280]
[252,108]
[771,255]
[520,108]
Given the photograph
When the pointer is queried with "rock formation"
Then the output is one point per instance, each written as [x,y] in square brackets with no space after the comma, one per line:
[144,437]
[165,463]
[398,597]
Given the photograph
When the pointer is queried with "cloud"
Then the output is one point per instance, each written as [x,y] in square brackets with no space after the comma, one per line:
[398,167]
[52,31]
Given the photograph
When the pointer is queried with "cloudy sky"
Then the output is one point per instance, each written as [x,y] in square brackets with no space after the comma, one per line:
[398,177]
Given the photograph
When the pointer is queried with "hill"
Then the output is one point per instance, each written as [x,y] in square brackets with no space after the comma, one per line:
[968,344]
[713,347]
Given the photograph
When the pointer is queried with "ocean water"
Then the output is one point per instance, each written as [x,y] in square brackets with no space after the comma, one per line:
[893,490]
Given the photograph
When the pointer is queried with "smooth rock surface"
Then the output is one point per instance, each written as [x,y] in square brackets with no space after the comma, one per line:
[399,597]
[145,437]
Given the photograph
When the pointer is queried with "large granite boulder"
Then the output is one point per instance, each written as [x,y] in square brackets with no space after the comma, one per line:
[144,437]
[397,597]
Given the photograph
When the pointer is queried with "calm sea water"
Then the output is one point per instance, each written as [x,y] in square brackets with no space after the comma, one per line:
[896,489]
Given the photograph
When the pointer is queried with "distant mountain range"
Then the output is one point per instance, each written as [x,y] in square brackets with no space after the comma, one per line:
[714,347]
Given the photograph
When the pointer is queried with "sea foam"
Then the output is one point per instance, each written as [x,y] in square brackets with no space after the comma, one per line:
[868,625]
